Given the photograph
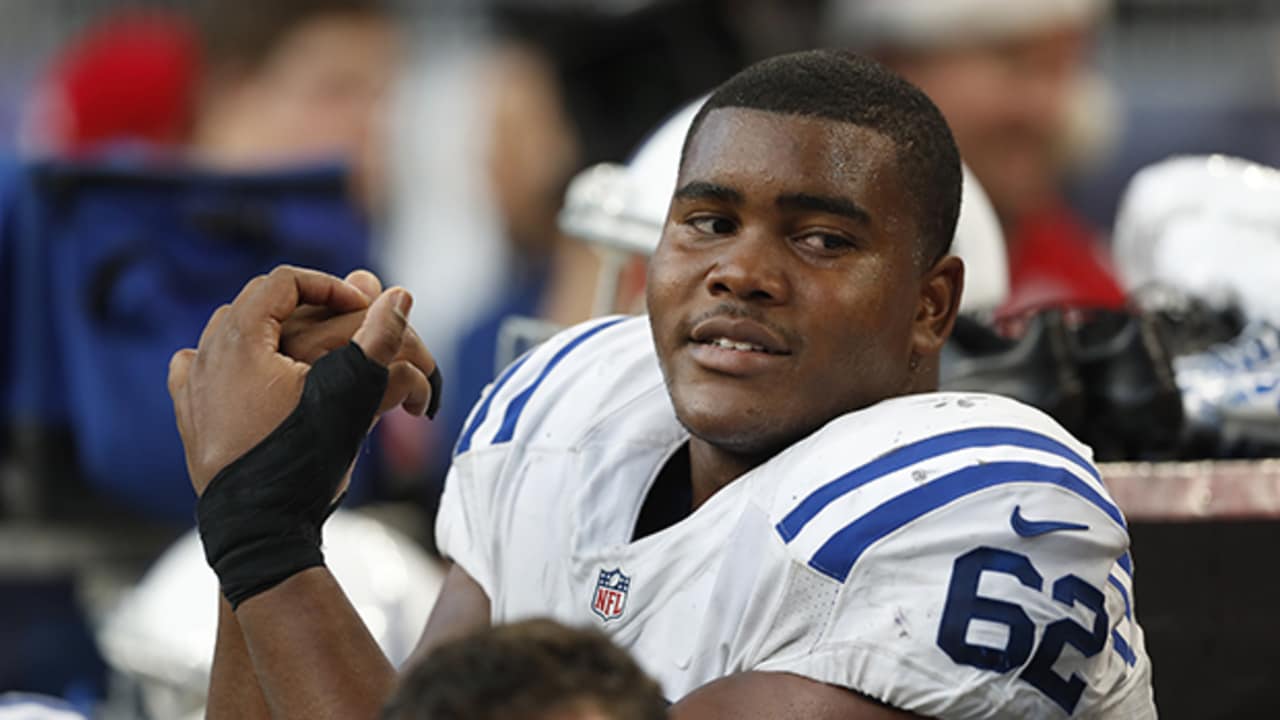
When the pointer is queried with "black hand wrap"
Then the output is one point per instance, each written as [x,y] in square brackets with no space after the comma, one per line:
[260,517]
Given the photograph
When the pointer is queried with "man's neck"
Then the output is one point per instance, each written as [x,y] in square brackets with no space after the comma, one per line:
[711,468]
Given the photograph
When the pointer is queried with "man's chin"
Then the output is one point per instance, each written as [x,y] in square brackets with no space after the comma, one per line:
[744,434]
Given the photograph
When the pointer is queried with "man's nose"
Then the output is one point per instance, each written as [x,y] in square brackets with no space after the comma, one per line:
[750,267]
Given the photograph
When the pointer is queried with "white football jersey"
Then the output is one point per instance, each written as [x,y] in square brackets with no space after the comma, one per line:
[951,554]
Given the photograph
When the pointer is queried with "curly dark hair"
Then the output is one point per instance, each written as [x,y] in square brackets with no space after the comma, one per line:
[526,671]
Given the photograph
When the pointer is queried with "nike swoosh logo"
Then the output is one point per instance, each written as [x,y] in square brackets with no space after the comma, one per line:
[1031,528]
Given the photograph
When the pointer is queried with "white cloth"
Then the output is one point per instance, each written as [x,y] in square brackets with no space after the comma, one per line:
[842,559]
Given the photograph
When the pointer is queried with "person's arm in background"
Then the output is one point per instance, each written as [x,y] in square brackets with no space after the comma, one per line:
[302,640]
[774,696]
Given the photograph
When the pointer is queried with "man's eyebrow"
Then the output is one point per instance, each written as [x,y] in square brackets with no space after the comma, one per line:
[701,190]
[825,204]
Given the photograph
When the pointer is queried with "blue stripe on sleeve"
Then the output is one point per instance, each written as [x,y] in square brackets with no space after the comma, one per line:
[836,557]
[1124,594]
[1123,650]
[907,455]
[464,442]
[1121,646]
[1126,564]
[517,405]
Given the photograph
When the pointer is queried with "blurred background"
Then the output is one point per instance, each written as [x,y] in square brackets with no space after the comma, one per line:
[509,161]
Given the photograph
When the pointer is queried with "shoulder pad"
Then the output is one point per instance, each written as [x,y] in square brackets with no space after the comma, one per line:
[589,359]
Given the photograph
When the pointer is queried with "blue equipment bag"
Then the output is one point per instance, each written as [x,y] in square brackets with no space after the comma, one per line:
[114,268]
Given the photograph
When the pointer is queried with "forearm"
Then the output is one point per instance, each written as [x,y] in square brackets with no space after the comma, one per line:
[311,653]
[234,693]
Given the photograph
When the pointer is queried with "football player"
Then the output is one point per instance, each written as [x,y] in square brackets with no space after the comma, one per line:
[756,489]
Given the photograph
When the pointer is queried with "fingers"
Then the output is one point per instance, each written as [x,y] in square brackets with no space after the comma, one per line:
[386,337]
[179,370]
[214,326]
[366,282]
[313,330]
[415,351]
[308,339]
[408,386]
[382,333]
[275,296]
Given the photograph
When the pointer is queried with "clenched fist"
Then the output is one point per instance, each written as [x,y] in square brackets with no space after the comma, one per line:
[247,373]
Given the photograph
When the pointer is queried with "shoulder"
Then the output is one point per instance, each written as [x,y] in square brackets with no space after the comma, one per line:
[947,532]
[876,472]
[568,377]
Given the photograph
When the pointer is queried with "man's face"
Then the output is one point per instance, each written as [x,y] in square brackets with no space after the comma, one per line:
[784,289]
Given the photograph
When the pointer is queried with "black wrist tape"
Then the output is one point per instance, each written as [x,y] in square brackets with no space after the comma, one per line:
[260,517]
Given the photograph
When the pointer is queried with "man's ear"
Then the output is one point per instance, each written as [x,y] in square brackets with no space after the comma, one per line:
[939,303]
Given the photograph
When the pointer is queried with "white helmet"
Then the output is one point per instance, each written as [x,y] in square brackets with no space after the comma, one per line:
[621,210]
[161,635]
[1207,225]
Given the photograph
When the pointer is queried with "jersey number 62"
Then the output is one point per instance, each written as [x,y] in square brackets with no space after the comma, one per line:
[964,605]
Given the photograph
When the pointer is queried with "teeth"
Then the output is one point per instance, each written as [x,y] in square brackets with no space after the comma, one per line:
[728,344]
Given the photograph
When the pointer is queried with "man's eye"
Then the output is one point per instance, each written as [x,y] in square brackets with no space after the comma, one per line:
[712,225]
[825,242]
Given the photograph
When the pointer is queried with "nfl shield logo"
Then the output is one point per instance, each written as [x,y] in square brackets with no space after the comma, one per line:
[611,594]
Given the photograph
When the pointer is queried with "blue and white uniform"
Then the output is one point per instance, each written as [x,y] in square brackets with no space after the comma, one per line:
[955,555]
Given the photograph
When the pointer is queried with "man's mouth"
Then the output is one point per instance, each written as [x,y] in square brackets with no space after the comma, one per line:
[740,335]
[728,344]
[737,347]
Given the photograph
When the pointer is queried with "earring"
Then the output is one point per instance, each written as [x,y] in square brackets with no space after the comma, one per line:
[914,363]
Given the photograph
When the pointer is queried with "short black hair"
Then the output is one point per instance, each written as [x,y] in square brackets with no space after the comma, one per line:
[526,671]
[847,87]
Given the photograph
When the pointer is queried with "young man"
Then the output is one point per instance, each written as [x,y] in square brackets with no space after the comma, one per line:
[754,491]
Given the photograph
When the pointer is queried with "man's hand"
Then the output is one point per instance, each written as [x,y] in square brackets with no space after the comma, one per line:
[237,386]
[312,331]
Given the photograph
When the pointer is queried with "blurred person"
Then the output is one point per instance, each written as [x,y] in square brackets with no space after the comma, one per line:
[1012,81]
[530,670]
[757,490]
[532,153]
[262,118]
[291,82]
[526,152]
[130,77]
[253,107]
[241,85]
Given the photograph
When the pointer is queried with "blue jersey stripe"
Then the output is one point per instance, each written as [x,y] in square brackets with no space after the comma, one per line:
[907,455]
[1124,594]
[1123,650]
[1126,564]
[464,442]
[512,416]
[837,556]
